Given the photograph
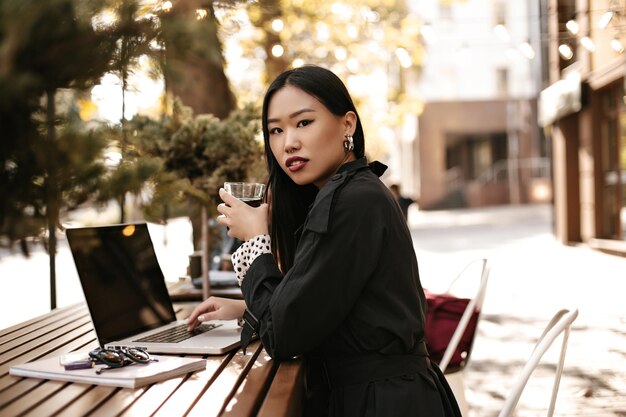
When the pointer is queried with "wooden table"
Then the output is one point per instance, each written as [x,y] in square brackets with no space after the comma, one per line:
[183,290]
[232,384]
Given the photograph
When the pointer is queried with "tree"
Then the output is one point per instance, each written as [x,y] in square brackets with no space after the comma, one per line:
[373,45]
[208,152]
[46,47]
[137,33]
[194,61]
[268,16]
[205,152]
[22,209]
[130,173]
[194,67]
[151,139]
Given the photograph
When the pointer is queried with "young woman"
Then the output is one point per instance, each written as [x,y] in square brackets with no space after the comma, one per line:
[329,270]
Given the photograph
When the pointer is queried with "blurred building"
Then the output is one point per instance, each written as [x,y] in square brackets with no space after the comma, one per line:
[584,112]
[478,142]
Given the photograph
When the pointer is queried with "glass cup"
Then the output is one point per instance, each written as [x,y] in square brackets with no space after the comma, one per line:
[248,192]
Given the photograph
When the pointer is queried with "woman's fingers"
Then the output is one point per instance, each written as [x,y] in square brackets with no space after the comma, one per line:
[215,308]
[223,208]
[223,218]
[228,198]
[205,307]
[242,220]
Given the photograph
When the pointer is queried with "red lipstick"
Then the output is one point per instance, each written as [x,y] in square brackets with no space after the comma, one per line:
[295,163]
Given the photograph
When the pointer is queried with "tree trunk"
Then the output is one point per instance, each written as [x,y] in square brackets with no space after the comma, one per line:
[206,253]
[194,72]
[124,142]
[194,69]
[121,201]
[270,10]
[52,203]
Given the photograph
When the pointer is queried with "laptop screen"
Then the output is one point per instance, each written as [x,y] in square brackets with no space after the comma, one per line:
[121,278]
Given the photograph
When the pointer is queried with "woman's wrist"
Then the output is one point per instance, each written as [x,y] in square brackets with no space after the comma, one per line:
[248,252]
[259,232]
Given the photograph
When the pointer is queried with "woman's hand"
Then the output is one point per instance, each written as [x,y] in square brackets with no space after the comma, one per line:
[214,308]
[243,221]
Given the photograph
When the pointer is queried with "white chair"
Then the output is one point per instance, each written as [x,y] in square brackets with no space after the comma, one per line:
[455,377]
[475,304]
[560,323]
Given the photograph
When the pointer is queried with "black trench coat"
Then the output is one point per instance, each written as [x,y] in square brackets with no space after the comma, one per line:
[353,292]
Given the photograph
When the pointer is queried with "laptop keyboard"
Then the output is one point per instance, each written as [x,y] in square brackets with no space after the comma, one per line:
[177,334]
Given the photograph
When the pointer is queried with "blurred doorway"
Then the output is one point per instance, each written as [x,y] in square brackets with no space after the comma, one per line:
[473,154]
[613,163]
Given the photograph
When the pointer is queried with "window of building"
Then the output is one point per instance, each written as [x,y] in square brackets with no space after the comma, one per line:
[471,156]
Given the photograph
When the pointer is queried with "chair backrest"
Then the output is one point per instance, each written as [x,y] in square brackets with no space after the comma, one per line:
[560,323]
[474,307]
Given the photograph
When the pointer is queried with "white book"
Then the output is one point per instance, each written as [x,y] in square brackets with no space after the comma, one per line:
[131,376]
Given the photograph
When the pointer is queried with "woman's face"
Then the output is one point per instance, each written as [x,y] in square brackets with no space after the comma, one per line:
[306,138]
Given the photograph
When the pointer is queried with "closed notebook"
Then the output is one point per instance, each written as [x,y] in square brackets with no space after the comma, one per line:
[132,376]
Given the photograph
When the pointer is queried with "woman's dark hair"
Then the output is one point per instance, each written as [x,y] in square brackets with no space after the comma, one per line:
[290,202]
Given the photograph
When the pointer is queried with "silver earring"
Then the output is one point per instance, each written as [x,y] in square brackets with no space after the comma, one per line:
[348,144]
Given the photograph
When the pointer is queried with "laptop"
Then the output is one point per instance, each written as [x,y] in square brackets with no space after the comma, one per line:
[127,296]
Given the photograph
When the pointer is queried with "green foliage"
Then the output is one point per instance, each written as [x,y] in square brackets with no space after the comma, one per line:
[80,164]
[53,43]
[49,161]
[153,137]
[209,151]
[129,176]
[166,197]
[197,154]
[202,151]
[351,36]
[149,139]
[21,208]
[135,37]
[367,43]
[77,153]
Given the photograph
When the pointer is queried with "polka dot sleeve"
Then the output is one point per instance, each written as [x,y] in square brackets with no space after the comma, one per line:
[248,252]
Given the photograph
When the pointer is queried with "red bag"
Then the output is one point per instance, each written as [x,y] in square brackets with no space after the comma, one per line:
[442,317]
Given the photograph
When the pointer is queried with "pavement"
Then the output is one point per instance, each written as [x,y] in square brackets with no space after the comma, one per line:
[532,277]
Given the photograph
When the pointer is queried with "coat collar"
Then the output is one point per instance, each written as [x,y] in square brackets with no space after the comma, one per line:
[319,216]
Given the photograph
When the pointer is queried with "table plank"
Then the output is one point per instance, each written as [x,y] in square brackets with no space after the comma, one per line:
[118,402]
[233,385]
[252,390]
[221,390]
[58,401]
[157,395]
[89,401]
[284,398]
[76,399]
[41,320]
[20,344]
[186,396]
[41,328]
[35,396]
[38,347]
[12,388]
[8,396]
[122,404]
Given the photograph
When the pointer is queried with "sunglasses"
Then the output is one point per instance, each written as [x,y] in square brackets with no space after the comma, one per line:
[117,358]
